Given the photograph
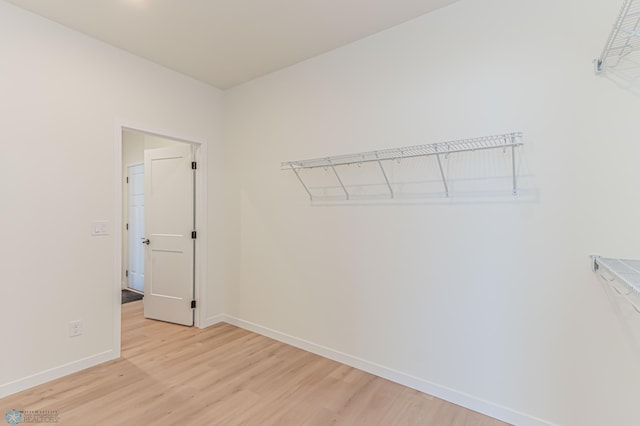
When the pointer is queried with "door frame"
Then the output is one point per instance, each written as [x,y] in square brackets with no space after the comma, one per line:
[200,156]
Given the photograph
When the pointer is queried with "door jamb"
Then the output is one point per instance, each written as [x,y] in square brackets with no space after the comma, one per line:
[200,156]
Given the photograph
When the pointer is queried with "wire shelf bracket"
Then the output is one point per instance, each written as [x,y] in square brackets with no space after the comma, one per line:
[625,271]
[624,38]
[503,141]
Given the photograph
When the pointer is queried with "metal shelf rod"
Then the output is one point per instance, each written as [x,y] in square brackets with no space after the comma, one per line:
[444,180]
[303,184]
[340,181]
[386,179]
[513,168]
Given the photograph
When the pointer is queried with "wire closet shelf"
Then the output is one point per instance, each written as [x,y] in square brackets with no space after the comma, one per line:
[625,271]
[624,38]
[502,141]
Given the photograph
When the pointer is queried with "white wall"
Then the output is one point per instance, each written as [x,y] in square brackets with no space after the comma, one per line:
[488,303]
[62,95]
[492,304]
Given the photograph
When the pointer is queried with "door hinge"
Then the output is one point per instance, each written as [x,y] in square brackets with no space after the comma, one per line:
[126,273]
[127,226]
[194,165]
[127,179]
[193,304]
[193,235]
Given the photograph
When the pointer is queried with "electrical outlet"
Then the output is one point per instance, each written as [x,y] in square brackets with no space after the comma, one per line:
[75,328]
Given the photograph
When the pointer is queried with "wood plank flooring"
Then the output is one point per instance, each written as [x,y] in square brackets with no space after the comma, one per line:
[223,375]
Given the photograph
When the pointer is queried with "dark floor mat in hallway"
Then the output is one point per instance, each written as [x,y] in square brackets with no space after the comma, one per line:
[130,296]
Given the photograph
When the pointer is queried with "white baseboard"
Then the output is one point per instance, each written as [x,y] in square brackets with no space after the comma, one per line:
[19,385]
[216,319]
[460,398]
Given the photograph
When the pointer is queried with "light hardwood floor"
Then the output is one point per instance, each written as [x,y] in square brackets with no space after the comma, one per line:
[223,375]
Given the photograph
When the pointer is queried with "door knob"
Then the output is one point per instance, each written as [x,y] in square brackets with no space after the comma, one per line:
[146,241]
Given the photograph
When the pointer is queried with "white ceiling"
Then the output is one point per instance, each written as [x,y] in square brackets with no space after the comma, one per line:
[227,42]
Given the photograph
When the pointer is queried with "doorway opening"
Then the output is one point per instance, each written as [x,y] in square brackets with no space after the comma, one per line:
[160,200]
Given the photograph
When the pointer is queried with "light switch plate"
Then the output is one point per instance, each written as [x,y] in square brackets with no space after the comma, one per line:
[100,228]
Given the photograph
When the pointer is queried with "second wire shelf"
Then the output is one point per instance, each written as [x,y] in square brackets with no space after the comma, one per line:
[625,271]
[624,38]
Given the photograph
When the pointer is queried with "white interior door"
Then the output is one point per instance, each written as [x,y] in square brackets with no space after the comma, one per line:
[169,247]
[135,222]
